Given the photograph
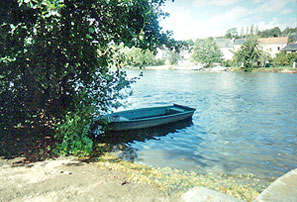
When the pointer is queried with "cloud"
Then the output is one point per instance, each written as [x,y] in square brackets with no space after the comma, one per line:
[258,1]
[286,11]
[272,6]
[230,17]
[187,21]
[202,3]
[274,22]
[184,25]
[179,21]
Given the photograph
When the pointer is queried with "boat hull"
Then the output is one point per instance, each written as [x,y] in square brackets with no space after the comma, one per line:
[119,124]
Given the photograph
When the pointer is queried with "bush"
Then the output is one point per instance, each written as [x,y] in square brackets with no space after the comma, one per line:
[283,59]
[292,57]
[73,133]
[228,63]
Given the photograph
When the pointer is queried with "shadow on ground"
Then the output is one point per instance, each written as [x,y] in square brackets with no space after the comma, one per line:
[37,144]
[30,144]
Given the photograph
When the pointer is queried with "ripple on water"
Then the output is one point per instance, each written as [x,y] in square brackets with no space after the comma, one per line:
[244,122]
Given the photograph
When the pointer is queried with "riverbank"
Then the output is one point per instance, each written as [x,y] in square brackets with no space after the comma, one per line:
[68,179]
[220,69]
[107,178]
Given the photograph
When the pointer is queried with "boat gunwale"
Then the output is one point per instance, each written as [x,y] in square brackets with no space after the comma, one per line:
[188,111]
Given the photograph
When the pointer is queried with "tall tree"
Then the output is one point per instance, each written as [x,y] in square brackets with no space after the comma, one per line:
[247,32]
[54,56]
[252,30]
[242,32]
[206,52]
[257,30]
[231,33]
[249,54]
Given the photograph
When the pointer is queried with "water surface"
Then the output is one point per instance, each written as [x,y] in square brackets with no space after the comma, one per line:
[244,122]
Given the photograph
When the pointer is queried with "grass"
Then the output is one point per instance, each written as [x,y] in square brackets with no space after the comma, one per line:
[175,182]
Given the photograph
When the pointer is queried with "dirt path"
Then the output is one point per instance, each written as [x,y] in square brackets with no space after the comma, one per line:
[66,179]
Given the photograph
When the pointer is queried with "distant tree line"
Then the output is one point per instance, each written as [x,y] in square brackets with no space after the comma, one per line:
[254,31]
[206,52]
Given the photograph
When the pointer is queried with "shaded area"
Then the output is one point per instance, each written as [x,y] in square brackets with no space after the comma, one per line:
[142,135]
[34,144]
[120,141]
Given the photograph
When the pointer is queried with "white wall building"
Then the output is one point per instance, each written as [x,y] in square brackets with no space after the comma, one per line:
[273,45]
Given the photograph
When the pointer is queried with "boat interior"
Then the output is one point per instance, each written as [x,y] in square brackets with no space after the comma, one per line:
[147,113]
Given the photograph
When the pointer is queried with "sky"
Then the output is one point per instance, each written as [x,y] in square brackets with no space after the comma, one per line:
[192,19]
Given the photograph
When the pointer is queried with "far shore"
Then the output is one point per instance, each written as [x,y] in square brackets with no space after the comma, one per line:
[216,69]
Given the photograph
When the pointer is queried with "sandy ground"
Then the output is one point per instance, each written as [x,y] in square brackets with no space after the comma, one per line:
[67,179]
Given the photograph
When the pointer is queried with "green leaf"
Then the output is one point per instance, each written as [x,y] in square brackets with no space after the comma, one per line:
[91,30]
[89,36]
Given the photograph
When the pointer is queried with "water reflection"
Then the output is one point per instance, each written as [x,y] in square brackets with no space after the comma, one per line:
[121,139]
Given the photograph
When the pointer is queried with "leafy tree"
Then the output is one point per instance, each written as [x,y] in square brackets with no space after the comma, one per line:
[249,54]
[140,58]
[252,30]
[283,59]
[242,32]
[54,59]
[274,32]
[291,33]
[231,33]
[173,57]
[206,52]
[257,29]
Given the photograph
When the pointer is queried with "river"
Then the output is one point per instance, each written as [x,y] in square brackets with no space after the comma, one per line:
[245,123]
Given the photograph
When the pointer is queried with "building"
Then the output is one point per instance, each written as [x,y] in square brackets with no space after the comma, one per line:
[226,47]
[238,43]
[273,45]
[290,48]
[229,46]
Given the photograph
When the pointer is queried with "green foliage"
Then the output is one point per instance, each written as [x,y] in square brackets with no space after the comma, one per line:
[231,33]
[140,58]
[228,63]
[55,57]
[249,54]
[206,52]
[73,133]
[283,59]
[173,57]
[274,32]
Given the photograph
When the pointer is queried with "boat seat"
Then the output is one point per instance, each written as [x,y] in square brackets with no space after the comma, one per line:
[120,118]
[177,109]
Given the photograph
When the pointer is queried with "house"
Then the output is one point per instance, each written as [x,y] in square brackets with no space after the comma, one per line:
[229,46]
[290,48]
[226,47]
[238,43]
[273,45]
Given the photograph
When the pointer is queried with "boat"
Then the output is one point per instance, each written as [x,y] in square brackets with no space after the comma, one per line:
[148,117]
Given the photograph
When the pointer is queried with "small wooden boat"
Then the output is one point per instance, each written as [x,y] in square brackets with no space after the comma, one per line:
[148,117]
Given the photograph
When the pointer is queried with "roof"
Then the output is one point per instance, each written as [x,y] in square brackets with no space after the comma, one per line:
[291,47]
[224,43]
[274,40]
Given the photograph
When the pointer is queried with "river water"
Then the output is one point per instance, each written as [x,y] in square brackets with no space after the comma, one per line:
[245,123]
